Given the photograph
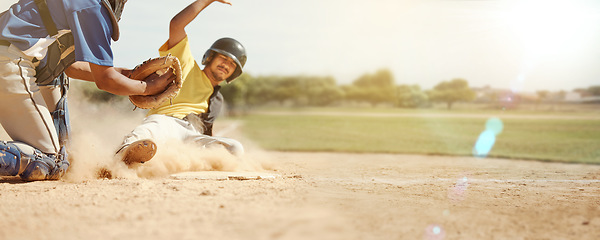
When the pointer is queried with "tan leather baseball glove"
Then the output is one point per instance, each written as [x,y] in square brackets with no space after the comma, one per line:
[158,66]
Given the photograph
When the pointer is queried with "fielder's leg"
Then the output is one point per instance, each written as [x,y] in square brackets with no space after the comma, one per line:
[30,163]
[25,115]
[26,119]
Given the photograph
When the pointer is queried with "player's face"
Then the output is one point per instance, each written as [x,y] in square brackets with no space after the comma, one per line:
[221,67]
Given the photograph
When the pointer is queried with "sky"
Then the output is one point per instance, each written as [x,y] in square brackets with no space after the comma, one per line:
[521,45]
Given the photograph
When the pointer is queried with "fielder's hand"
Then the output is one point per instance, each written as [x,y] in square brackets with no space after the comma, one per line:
[163,78]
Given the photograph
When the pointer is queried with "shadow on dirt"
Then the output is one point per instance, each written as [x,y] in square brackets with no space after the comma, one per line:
[12,180]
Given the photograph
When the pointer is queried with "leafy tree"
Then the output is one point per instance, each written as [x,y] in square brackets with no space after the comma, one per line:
[236,92]
[299,90]
[452,91]
[381,78]
[353,93]
[321,91]
[373,88]
[286,88]
[410,96]
[258,91]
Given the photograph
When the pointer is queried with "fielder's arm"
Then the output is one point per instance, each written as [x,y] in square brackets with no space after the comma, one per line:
[82,71]
[113,80]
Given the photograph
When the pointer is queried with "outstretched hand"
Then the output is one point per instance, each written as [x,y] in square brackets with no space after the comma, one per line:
[223,1]
[184,17]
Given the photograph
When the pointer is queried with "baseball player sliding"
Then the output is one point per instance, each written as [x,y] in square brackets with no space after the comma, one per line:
[190,115]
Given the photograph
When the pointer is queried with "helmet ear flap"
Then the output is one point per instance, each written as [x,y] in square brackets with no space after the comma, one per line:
[207,56]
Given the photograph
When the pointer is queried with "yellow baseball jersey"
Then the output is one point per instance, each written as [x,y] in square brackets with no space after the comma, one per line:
[196,90]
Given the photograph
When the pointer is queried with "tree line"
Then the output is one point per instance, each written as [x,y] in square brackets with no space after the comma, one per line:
[378,88]
[371,88]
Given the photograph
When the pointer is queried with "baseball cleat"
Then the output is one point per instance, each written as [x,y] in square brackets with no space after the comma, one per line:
[139,151]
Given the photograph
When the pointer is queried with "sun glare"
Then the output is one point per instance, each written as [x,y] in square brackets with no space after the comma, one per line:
[549,27]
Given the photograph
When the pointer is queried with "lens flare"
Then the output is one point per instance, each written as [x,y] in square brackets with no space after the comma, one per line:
[487,138]
[434,232]
[495,125]
[459,190]
[484,143]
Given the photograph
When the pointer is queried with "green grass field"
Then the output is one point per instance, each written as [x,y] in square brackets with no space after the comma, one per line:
[549,137]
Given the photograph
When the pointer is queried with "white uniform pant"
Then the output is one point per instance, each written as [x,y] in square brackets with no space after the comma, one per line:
[160,128]
[24,106]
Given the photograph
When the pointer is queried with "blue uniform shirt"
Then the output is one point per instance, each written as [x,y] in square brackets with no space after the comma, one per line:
[88,21]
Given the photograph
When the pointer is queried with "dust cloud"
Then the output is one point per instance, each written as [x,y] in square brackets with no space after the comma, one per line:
[97,130]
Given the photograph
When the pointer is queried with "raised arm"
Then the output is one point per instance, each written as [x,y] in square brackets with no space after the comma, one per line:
[183,18]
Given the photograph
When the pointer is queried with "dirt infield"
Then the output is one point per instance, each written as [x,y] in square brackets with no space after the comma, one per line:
[314,196]
[319,196]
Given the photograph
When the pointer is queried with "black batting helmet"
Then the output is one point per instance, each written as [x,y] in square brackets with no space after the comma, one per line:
[230,48]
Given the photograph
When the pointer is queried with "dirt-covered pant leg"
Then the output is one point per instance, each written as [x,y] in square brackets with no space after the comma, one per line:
[161,128]
[156,127]
[25,114]
[233,146]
